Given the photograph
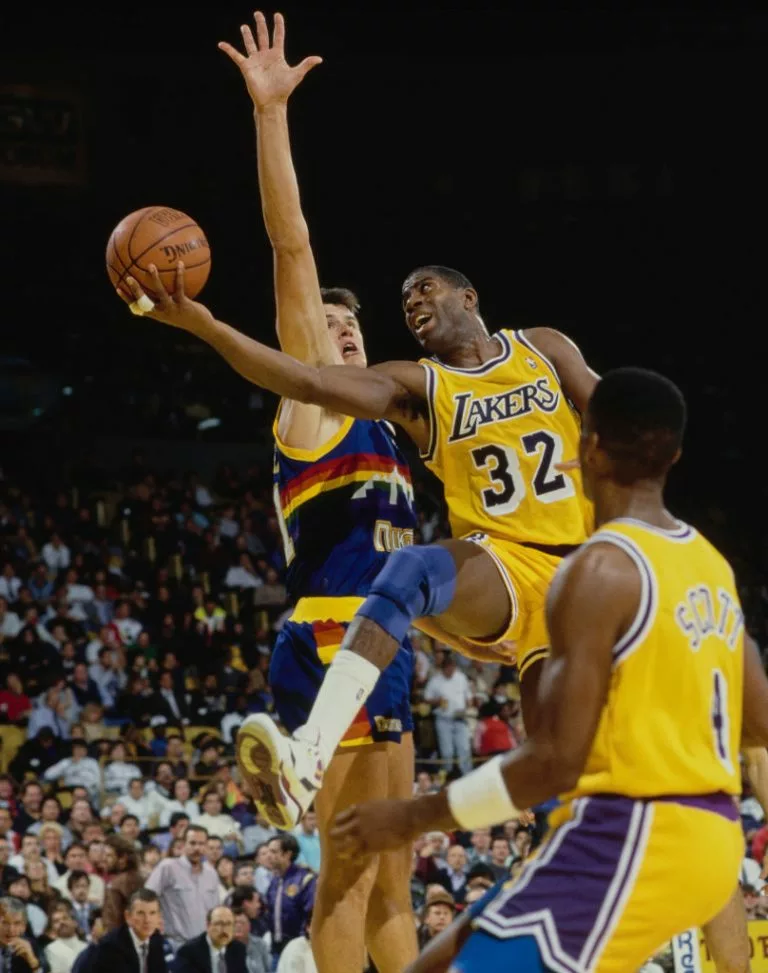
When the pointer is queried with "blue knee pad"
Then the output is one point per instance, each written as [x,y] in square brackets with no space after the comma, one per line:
[417,581]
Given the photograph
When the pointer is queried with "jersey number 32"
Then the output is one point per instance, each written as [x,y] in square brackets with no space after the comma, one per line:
[508,488]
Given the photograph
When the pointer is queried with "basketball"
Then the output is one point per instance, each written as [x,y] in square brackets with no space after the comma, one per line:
[161,236]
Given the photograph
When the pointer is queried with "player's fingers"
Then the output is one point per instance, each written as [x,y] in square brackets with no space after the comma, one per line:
[569,464]
[163,297]
[250,43]
[232,52]
[179,293]
[306,66]
[278,34]
[141,304]
[262,31]
[344,817]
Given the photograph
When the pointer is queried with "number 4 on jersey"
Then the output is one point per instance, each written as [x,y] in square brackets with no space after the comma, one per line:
[509,487]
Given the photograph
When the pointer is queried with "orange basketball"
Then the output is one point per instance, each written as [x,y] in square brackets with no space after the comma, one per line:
[161,236]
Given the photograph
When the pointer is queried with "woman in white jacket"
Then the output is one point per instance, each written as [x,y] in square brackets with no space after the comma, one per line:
[181,800]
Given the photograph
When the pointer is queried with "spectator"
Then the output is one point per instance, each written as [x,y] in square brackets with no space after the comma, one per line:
[50,835]
[437,915]
[122,863]
[76,860]
[480,851]
[19,955]
[291,894]
[118,773]
[139,939]
[257,958]
[308,838]
[66,945]
[453,875]
[188,888]
[79,770]
[176,830]
[37,919]
[15,705]
[36,754]
[31,806]
[500,857]
[79,888]
[257,834]
[449,692]
[245,899]
[51,813]
[217,823]
[216,946]
[180,802]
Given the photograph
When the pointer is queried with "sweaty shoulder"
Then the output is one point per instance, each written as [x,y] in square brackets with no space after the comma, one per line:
[597,588]
[576,377]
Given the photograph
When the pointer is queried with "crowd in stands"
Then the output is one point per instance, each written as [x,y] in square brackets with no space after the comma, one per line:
[136,626]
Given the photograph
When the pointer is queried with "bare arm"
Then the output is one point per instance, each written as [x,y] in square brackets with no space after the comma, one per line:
[393,390]
[591,603]
[755,726]
[756,762]
[270,80]
[577,378]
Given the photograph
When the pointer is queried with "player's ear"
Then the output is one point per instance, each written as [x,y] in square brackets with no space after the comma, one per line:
[676,457]
[470,298]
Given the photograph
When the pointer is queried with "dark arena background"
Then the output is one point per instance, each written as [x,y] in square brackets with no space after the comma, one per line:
[597,171]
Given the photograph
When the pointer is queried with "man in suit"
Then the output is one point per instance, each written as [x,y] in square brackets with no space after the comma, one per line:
[136,947]
[214,951]
[17,954]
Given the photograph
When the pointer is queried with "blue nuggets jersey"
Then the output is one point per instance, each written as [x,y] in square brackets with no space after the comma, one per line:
[342,508]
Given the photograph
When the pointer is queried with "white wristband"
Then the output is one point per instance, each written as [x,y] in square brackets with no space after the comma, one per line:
[481,799]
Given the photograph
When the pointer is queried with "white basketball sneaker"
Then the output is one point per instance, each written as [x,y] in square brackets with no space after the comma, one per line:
[283,774]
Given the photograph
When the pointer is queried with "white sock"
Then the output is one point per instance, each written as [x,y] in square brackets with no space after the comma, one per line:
[348,683]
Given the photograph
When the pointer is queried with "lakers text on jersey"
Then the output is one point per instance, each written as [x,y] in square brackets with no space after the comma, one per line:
[498,432]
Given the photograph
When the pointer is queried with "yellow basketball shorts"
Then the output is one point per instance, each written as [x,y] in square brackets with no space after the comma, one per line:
[527,573]
[614,881]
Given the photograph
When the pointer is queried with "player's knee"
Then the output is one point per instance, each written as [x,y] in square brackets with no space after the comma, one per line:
[416,582]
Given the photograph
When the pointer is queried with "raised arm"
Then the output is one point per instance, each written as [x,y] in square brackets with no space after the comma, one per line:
[591,604]
[301,324]
[392,390]
[577,378]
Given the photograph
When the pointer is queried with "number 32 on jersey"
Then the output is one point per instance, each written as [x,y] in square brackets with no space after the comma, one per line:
[508,486]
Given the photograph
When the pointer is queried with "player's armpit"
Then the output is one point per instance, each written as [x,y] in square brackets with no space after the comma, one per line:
[577,378]
[592,602]
[754,731]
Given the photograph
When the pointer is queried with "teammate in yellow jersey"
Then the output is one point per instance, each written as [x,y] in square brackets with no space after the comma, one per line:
[650,690]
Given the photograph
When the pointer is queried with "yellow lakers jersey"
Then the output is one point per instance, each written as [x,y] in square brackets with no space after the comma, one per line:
[496,433]
[672,720]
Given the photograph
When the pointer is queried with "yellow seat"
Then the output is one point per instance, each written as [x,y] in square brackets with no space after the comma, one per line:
[11,739]
[190,732]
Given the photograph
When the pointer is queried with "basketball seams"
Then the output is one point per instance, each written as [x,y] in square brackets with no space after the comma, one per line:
[126,266]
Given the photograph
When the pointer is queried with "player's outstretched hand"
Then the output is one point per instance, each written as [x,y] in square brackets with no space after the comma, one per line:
[178,310]
[268,76]
[378,826]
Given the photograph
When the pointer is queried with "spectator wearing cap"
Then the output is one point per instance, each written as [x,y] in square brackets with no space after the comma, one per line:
[79,770]
[437,914]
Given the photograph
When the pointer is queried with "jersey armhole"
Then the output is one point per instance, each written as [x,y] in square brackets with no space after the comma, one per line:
[431,374]
[309,455]
[531,347]
[649,594]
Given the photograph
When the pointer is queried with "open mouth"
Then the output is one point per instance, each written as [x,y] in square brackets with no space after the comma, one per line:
[349,349]
[421,324]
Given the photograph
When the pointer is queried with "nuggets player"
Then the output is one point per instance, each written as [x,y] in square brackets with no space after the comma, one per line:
[492,415]
[650,688]
[344,500]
